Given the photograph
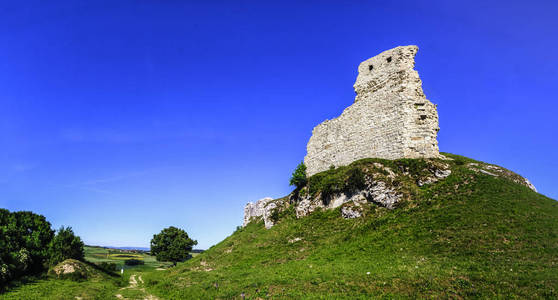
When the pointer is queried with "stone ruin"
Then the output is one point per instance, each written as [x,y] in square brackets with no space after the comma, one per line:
[390,118]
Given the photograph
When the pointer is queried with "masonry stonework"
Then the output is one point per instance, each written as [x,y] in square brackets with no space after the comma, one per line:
[390,118]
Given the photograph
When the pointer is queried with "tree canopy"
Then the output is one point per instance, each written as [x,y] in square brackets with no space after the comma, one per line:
[24,240]
[28,244]
[65,245]
[172,244]
[298,178]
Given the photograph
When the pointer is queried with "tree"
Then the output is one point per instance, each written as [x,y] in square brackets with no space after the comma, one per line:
[65,245]
[24,240]
[172,244]
[298,178]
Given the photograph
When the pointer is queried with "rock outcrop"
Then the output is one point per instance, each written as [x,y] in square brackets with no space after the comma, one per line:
[262,209]
[390,118]
[374,183]
[70,268]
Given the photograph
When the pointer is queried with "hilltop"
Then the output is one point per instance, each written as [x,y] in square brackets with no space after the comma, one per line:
[474,233]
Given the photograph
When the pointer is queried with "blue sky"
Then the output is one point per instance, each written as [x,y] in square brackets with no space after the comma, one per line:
[120,118]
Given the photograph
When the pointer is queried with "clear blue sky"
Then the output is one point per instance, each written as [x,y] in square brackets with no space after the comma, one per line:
[120,118]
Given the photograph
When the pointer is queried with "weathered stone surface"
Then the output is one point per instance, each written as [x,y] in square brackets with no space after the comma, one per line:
[390,118]
[375,192]
[262,209]
[349,212]
[70,267]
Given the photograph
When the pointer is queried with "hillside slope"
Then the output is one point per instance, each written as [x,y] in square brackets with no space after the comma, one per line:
[471,234]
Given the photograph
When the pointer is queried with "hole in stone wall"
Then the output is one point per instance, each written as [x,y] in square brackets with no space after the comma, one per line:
[370,67]
[388,59]
[423,117]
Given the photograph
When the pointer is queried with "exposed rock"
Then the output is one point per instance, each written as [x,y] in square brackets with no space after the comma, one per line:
[529,184]
[295,240]
[380,194]
[437,174]
[70,268]
[262,209]
[376,192]
[440,174]
[390,118]
[305,207]
[349,212]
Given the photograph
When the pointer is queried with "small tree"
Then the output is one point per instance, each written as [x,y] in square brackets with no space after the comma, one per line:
[65,245]
[172,244]
[298,179]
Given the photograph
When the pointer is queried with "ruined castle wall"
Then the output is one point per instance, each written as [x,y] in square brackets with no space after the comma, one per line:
[390,118]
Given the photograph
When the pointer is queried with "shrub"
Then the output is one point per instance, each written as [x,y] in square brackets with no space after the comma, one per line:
[107,266]
[298,179]
[356,180]
[24,239]
[65,245]
[133,262]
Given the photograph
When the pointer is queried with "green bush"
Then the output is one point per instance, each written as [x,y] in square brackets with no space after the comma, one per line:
[133,262]
[24,240]
[298,179]
[65,245]
[107,266]
[356,181]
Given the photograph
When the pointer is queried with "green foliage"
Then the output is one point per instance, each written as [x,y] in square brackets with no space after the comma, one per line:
[108,267]
[298,178]
[356,180]
[24,239]
[133,262]
[172,244]
[347,179]
[274,216]
[89,282]
[65,245]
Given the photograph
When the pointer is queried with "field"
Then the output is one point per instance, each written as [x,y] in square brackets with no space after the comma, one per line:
[97,254]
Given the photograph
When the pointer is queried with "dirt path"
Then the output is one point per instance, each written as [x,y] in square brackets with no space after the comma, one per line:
[135,285]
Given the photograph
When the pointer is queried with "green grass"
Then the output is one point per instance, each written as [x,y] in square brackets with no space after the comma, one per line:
[98,285]
[98,254]
[471,235]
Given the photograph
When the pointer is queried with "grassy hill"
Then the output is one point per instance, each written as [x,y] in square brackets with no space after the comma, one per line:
[481,232]
[471,234]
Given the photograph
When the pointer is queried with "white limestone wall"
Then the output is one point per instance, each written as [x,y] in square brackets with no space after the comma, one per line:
[390,118]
